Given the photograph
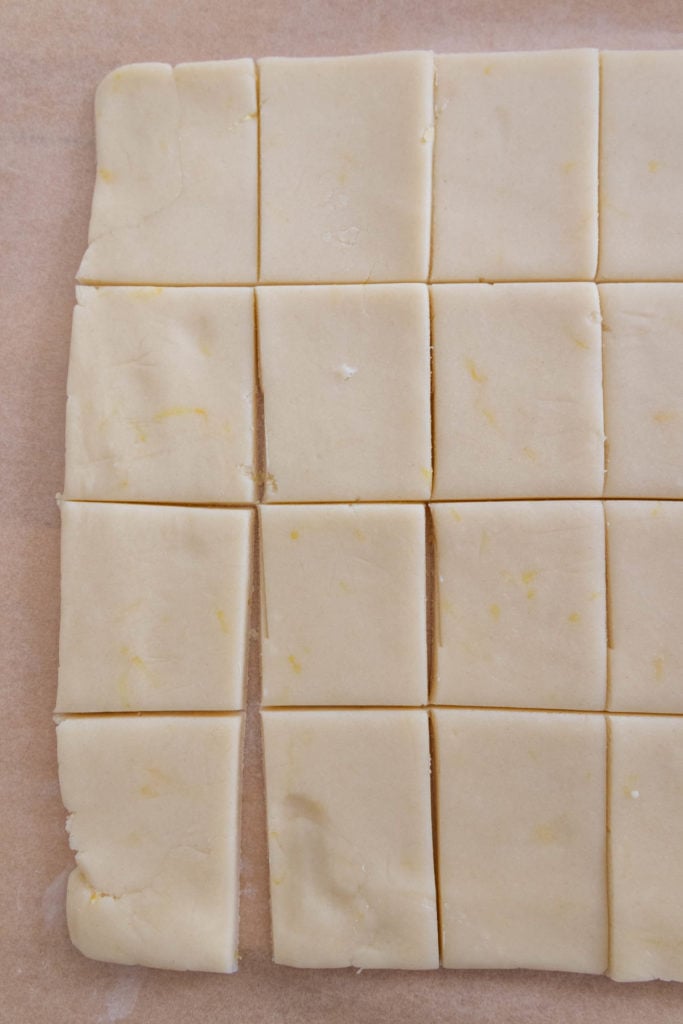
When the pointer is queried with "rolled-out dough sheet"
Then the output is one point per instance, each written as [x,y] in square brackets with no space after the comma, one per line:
[646,835]
[346,384]
[175,198]
[346,168]
[644,543]
[520,604]
[154,607]
[517,391]
[515,166]
[161,395]
[153,807]
[350,838]
[521,839]
[344,604]
[641,165]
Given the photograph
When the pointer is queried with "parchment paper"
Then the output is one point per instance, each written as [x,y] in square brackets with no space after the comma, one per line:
[52,54]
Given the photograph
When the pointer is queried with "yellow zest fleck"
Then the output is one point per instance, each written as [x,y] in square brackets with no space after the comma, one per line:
[664,416]
[223,620]
[294,535]
[658,664]
[568,166]
[545,834]
[148,791]
[581,343]
[343,585]
[139,432]
[358,534]
[595,594]
[488,69]
[574,617]
[294,664]
[426,472]
[489,417]
[653,166]
[531,454]
[178,410]
[474,372]
[531,594]
[656,511]
[529,576]
[456,516]
[494,611]
[106,175]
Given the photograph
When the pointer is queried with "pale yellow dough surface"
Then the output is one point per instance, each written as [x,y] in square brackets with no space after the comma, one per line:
[161,395]
[644,542]
[521,836]
[346,158]
[517,391]
[350,839]
[521,617]
[643,389]
[346,382]
[515,172]
[646,826]
[175,198]
[344,604]
[641,166]
[154,607]
[154,819]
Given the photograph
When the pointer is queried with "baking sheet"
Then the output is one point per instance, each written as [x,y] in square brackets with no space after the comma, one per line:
[52,54]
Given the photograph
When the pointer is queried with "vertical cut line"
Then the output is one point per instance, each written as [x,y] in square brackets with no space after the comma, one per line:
[434,784]
[598,170]
[429,598]
[608,838]
[263,602]
[432,391]
[260,458]
[432,205]
[257,82]
[609,630]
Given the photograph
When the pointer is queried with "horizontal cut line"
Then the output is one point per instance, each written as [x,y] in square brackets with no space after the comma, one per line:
[369,284]
[61,716]
[284,709]
[350,501]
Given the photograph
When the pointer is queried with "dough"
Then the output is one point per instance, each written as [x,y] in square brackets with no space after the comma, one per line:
[350,839]
[161,395]
[641,166]
[644,544]
[154,819]
[175,198]
[515,166]
[643,389]
[520,604]
[154,608]
[517,391]
[346,382]
[521,838]
[646,836]
[346,168]
[353,629]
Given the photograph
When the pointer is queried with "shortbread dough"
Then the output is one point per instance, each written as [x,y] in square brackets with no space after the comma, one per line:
[350,838]
[643,389]
[517,391]
[161,395]
[515,166]
[346,383]
[641,166]
[346,166]
[521,839]
[154,819]
[175,198]
[646,837]
[644,544]
[344,607]
[154,607]
[520,605]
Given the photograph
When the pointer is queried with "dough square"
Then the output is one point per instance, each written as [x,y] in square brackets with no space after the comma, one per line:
[153,807]
[154,608]
[641,165]
[643,352]
[644,544]
[518,409]
[350,839]
[346,383]
[353,629]
[346,168]
[175,198]
[161,395]
[515,166]
[646,836]
[520,605]
[521,839]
